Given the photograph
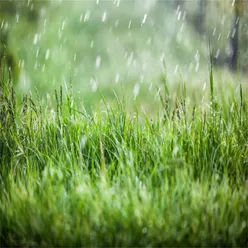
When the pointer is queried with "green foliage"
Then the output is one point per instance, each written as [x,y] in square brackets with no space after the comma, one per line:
[14,10]
[113,179]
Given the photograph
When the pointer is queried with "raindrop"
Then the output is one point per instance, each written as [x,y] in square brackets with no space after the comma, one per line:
[158,93]
[92,44]
[175,151]
[43,68]
[47,54]
[118,3]
[6,25]
[142,78]
[233,2]
[197,56]
[244,224]
[178,9]
[162,57]
[63,25]
[237,20]
[204,86]
[117,77]
[176,68]
[22,63]
[87,16]
[217,53]
[59,33]
[214,31]
[104,16]
[219,36]
[97,1]
[17,18]
[45,22]
[35,65]
[37,52]
[75,56]
[184,15]
[116,23]
[130,59]
[182,27]
[144,19]
[93,84]
[179,15]
[98,61]
[129,24]
[197,67]
[228,34]
[36,36]
[233,33]
[136,90]
[83,142]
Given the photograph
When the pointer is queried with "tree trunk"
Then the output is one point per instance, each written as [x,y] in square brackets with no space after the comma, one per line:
[200,18]
[234,42]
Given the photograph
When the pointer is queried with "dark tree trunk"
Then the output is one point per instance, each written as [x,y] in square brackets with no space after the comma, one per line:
[234,42]
[200,17]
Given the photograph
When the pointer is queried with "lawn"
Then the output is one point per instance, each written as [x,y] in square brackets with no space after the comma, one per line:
[121,134]
[117,177]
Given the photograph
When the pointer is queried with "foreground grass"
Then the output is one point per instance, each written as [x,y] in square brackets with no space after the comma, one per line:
[116,179]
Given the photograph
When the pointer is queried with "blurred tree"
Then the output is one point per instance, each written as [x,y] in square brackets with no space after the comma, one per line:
[200,16]
[10,9]
[243,39]
[7,56]
[234,40]
[238,40]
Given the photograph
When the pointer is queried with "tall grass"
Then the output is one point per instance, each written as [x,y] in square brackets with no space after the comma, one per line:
[114,178]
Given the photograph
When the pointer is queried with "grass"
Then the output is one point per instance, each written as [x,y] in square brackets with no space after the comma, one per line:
[117,177]
[166,169]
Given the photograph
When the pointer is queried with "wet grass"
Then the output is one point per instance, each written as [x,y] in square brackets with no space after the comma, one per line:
[177,177]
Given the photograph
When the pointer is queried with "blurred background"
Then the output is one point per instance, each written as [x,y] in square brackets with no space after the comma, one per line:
[122,45]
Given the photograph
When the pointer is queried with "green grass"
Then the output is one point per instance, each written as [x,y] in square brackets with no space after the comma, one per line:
[116,177]
[168,167]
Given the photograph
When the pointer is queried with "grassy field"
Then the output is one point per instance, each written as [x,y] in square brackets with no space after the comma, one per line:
[124,178]
[120,133]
